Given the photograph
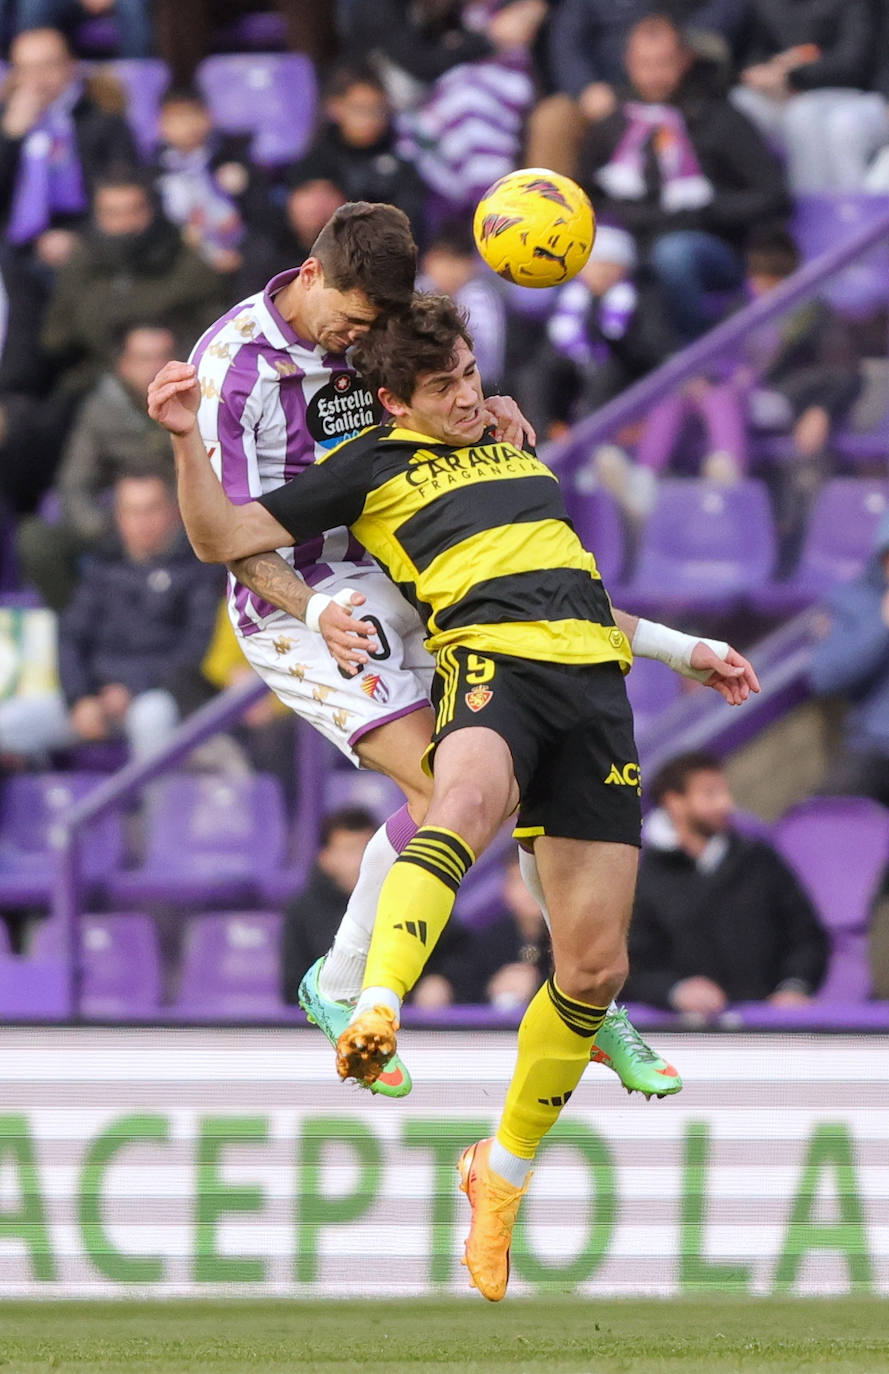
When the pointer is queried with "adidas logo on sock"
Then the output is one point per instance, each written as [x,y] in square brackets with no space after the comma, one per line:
[555,1101]
[417,928]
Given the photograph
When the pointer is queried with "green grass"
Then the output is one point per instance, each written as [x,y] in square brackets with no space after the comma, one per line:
[563,1336]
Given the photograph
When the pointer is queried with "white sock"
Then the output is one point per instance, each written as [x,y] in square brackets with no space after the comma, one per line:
[342,972]
[377,997]
[508,1165]
[531,879]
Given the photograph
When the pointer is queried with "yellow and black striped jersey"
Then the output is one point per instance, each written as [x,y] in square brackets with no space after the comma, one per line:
[476,538]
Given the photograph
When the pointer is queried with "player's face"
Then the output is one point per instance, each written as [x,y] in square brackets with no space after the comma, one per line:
[336,318]
[706,805]
[448,405]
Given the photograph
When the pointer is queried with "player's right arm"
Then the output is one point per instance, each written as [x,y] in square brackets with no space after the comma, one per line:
[214,524]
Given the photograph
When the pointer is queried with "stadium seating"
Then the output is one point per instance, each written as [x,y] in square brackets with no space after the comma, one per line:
[144,80]
[209,840]
[599,524]
[839,847]
[839,541]
[651,687]
[120,964]
[704,549]
[31,807]
[272,96]
[231,966]
[820,221]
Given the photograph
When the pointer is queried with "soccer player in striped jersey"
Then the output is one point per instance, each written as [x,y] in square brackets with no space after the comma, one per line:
[276,393]
[532,715]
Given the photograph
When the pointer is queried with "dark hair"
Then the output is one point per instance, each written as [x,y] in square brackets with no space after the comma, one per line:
[345,75]
[155,471]
[772,252]
[122,176]
[677,773]
[183,95]
[402,346]
[454,236]
[370,248]
[346,818]
[120,333]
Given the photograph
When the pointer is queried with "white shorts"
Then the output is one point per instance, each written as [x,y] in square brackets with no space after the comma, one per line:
[296,663]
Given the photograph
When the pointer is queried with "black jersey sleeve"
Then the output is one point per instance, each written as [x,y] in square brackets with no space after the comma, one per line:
[331,493]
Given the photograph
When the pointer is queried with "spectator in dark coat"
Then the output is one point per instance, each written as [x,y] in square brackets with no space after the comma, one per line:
[683,171]
[852,662]
[355,147]
[138,618]
[511,957]
[132,19]
[131,266]
[56,141]
[585,66]
[806,70]
[312,917]
[112,435]
[719,917]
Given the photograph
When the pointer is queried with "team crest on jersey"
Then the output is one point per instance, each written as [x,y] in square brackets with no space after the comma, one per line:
[478,698]
[374,686]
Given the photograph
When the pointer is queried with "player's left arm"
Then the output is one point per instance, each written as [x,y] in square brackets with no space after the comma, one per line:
[710,661]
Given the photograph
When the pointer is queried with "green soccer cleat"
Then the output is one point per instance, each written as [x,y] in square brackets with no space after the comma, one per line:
[620,1047]
[332,1018]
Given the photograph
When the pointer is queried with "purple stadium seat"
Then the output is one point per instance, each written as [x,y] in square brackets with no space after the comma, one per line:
[651,687]
[823,220]
[144,80]
[30,808]
[353,787]
[209,841]
[839,847]
[231,965]
[600,528]
[705,547]
[272,96]
[839,541]
[120,964]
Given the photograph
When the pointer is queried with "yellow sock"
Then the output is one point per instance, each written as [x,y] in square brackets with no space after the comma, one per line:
[555,1037]
[415,903]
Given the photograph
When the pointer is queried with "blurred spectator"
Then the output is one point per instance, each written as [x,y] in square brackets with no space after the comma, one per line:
[606,330]
[355,148]
[452,267]
[186,29]
[132,265]
[586,46]
[56,141]
[307,209]
[509,958]
[311,917]
[207,183]
[852,662]
[463,94]
[806,69]
[131,17]
[683,171]
[798,376]
[111,435]
[138,616]
[719,917]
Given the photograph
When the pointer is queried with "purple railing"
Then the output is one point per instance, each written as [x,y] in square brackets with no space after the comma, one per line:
[568,453]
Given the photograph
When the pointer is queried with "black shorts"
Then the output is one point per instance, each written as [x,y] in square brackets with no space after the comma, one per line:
[569,730]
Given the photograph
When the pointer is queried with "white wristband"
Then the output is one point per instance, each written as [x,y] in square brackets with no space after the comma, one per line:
[318,603]
[674,648]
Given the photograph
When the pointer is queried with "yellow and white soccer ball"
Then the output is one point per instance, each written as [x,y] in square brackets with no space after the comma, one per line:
[535,227]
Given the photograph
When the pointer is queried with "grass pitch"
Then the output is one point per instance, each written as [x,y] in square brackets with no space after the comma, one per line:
[563,1336]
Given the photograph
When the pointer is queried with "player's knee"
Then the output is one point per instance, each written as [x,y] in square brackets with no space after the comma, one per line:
[594,980]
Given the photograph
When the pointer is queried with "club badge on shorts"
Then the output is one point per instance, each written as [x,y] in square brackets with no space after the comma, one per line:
[374,686]
[478,698]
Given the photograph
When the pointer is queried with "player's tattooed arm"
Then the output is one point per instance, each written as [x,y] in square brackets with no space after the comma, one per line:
[271,577]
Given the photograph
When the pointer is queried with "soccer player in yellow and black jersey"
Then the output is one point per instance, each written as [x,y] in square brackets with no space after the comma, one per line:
[531,713]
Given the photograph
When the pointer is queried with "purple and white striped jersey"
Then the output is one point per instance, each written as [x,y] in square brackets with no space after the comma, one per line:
[271,403]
